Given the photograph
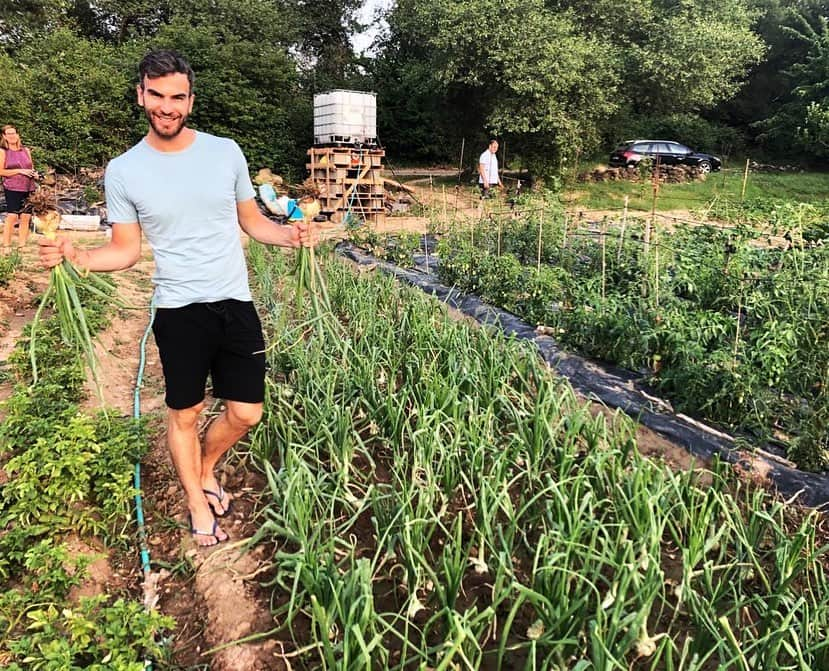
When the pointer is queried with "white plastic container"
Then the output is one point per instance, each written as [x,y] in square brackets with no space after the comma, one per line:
[345,118]
[80,222]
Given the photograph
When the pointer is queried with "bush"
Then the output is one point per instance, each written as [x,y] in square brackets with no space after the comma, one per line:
[71,99]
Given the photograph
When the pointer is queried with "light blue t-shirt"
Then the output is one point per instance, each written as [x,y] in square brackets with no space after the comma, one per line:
[185,203]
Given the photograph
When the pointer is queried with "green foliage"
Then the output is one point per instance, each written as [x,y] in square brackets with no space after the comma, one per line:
[398,249]
[522,529]
[93,635]
[713,197]
[556,78]
[321,32]
[727,330]
[51,569]
[61,478]
[67,473]
[780,216]
[71,90]
[244,90]
[534,74]
[21,19]
[8,264]
[802,120]
[71,99]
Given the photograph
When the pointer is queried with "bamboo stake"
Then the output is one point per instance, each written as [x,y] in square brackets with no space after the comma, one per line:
[656,262]
[649,228]
[445,213]
[646,254]
[622,232]
[604,256]
[540,232]
[745,181]
[564,235]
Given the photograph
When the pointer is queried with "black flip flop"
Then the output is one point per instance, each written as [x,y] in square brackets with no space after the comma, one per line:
[199,532]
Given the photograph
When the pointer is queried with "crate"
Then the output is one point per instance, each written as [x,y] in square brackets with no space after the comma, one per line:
[349,180]
[343,118]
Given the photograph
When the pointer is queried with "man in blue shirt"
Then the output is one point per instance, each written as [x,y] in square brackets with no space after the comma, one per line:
[189,193]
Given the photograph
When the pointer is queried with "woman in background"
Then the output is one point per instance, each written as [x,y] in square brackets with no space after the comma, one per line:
[17,171]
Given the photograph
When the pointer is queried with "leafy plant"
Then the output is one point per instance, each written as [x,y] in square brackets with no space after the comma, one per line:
[95,634]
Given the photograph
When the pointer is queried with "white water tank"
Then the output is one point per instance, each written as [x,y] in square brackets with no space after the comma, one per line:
[345,118]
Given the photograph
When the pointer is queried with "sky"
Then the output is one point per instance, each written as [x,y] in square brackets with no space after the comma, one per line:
[362,41]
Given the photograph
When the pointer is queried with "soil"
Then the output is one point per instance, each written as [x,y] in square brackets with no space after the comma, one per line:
[213,593]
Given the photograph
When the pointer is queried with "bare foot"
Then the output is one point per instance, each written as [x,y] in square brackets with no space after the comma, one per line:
[218,499]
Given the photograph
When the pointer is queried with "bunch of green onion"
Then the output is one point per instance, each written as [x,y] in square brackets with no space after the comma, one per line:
[309,275]
[66,284]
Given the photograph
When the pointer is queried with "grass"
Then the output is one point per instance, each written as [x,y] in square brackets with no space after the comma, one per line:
[799,186]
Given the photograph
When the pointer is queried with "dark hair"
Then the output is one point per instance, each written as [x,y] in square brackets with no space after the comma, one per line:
[164,62]
[493,140]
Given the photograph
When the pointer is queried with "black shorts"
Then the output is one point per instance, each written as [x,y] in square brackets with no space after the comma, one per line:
[223,339]
[15,200]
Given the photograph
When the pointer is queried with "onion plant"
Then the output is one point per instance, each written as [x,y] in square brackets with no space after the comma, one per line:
[437,500]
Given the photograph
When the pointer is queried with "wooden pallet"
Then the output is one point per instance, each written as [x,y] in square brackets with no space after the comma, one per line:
[349,180]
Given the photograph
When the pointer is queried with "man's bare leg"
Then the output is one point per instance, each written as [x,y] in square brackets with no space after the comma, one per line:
[183,440]
[223,433]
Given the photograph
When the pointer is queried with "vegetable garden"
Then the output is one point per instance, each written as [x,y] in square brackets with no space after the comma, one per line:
[439,500]
[732,329]
[435,498]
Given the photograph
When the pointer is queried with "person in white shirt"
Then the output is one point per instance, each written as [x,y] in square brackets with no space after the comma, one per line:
[488,169]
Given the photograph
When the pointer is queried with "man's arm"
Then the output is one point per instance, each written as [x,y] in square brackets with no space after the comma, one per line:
[260,228]
[482,173]
[122,251]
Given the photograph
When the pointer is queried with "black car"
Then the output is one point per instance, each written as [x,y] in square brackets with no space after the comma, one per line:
[668,153]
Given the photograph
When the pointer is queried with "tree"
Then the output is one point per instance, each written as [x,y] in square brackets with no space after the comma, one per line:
[70,99]
[244,90]
[20,19]
[529,71]
[676,56]
[321,31]
[811,104]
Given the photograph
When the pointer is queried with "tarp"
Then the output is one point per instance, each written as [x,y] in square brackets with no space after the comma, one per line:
[615,387]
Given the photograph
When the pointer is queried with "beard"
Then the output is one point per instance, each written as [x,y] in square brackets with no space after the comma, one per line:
[167,130]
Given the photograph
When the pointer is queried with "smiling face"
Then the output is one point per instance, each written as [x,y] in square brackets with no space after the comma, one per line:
[167,102]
